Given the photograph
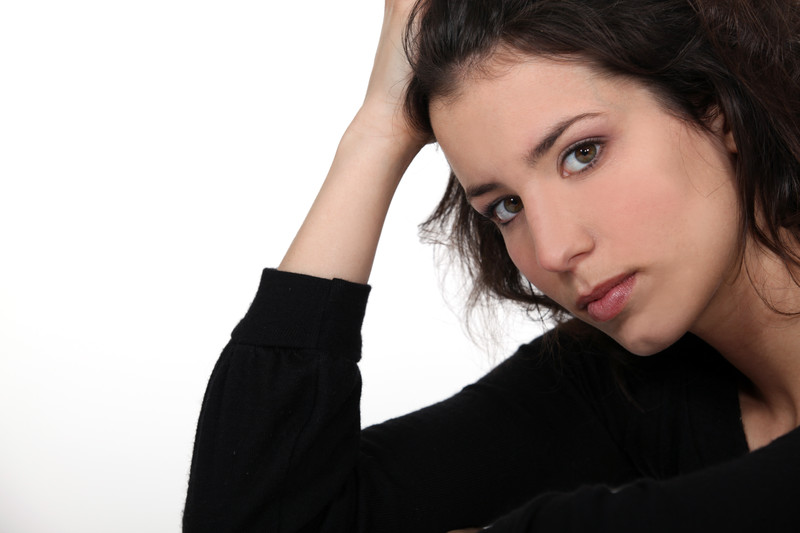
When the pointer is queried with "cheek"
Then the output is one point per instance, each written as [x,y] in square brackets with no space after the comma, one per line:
[643,215]
[520,249]
[522,253]
[640,205]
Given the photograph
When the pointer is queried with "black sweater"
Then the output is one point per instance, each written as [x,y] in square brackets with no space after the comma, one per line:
[572,441]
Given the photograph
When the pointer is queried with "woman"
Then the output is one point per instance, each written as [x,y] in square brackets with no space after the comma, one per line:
[637,163]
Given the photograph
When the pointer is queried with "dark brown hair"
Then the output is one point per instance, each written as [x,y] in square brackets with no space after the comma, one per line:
[699,57]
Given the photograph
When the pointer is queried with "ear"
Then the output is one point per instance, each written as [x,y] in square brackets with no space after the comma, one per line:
[730,143]
[719,125]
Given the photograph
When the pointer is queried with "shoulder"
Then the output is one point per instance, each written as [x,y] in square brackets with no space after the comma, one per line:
[576,360]
[575,348]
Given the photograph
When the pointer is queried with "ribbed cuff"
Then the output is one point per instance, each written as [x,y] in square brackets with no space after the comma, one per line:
[298,311]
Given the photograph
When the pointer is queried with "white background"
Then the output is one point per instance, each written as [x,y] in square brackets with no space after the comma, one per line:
[154,156]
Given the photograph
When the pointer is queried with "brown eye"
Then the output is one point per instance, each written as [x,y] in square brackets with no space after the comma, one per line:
[581,157]
[507,208]
[586,153]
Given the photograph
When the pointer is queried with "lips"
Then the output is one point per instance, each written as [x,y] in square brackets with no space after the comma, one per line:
[608,299]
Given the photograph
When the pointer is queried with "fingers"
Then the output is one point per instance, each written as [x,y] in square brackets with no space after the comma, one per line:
[390,72]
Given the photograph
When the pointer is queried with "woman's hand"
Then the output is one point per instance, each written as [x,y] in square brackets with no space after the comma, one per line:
[340,234]
[383,103]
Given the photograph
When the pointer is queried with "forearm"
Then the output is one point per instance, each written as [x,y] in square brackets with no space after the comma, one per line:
[339,236]
[756,492]
[280,422]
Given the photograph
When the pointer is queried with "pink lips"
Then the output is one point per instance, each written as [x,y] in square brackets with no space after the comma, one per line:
[608,299]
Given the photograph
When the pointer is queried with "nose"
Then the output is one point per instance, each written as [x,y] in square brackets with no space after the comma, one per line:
[560,236]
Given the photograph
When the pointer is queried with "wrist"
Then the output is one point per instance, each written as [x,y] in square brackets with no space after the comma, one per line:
[387,126]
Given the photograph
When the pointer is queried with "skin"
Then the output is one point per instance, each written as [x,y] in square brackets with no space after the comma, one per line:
[336,241]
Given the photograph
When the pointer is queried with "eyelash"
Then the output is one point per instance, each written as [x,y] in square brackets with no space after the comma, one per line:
[593,141]
[490,211]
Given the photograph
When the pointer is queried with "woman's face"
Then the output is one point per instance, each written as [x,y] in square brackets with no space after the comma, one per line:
[622,213]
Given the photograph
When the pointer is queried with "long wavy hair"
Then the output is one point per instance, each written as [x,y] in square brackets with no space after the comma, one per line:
[699,57]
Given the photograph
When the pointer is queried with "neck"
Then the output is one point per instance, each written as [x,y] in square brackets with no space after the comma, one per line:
[754,323]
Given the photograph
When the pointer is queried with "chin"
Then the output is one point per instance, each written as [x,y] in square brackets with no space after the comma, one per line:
[643,347]
[645,341]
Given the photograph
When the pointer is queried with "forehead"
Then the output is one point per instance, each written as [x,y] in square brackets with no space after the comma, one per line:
[543,87]
[506,108]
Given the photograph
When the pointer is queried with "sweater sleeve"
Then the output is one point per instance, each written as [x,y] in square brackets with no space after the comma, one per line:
[759,491]
[279,446]
[279,425]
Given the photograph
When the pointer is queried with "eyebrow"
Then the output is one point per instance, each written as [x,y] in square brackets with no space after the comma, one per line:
[535,153]
[552,136]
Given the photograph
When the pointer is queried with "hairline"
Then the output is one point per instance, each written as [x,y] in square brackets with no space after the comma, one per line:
[500,58]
